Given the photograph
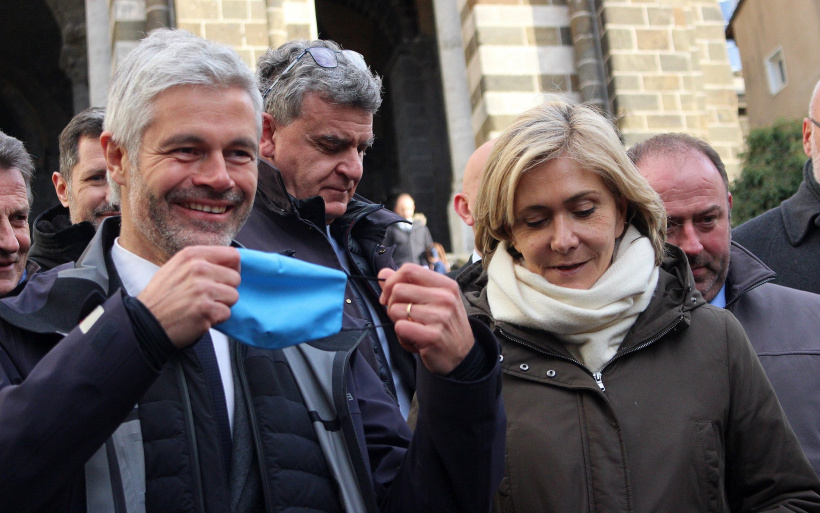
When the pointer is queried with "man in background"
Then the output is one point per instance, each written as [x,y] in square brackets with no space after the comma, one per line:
[787,238]
[464,201]
[782,323]
[16,171]
[62,232]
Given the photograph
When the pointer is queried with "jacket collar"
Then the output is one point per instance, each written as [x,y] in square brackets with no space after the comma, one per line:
[674,298]
[801,212]
[746,272]
[271,193]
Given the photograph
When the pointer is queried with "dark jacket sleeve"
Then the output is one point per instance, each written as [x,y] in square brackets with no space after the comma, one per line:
[455,458]
[765,468]
[67,406]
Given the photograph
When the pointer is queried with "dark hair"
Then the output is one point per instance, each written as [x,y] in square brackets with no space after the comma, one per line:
[13,155]
[88,123]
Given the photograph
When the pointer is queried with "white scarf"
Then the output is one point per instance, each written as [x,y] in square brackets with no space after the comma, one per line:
[592,323]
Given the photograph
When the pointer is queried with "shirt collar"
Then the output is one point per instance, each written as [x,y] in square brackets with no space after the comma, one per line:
[135,271]
[720,300]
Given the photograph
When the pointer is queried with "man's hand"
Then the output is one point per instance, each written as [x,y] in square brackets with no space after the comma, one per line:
[193,291]
[437,327]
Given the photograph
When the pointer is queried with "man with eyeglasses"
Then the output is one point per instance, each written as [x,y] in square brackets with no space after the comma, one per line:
[319,104]
[787,238]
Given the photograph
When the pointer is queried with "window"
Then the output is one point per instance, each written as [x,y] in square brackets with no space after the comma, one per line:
[776,71]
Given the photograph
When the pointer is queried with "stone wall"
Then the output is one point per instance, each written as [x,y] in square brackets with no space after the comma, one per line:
[669,72]
[516,52]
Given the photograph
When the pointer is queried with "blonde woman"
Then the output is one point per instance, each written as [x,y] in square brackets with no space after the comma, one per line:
[624,390]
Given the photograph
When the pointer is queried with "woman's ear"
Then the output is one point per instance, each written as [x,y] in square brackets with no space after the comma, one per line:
[621,221]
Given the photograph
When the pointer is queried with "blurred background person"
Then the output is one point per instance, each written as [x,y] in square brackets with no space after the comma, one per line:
[624,389]
[412,239]
[61,233]
[16,172]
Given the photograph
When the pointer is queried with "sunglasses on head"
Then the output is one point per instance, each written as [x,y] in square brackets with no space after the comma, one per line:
[324,57]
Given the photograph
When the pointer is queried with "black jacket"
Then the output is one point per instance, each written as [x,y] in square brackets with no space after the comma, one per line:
[55,241]
[64,389]
[787,238]
[782,325]
[281,223]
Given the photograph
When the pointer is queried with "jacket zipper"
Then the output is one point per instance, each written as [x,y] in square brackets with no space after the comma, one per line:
[254,427]
[597,376]
[189,418]
[749,289]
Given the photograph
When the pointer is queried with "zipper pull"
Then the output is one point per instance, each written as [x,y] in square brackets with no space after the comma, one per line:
[597,376]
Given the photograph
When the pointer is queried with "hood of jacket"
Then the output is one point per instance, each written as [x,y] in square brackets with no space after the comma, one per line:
[674,298]
[55,240]
[746,272]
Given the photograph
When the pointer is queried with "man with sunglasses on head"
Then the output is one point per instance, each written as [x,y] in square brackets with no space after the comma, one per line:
[787,238]
[319,104]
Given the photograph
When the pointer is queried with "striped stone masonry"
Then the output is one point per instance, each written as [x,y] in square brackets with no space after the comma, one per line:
[249,26]
[517,53]
[669,72]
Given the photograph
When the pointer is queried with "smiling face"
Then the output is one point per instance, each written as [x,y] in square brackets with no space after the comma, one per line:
[320,152]
[697,205]
[566,223]
[14,235]
[196,178]
[87,197]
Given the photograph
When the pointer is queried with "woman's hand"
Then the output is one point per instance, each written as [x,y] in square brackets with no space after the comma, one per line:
[428,315]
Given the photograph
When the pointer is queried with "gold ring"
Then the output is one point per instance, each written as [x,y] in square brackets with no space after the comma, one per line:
[409,306]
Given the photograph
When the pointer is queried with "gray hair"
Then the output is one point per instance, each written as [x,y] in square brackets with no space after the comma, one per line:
[343,85]
[88,123]
[165,59]
[13,155]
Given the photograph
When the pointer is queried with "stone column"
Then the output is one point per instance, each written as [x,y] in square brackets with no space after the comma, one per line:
[458,110]
[588,58]
[99,50]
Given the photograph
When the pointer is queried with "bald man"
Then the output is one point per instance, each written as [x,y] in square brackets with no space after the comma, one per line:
[787,238]
[464,201]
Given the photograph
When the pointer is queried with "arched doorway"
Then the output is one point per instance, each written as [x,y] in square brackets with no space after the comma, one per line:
[411,153]
[36,95]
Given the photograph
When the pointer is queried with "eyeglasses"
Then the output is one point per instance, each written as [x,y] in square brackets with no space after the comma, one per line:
[324,57]
[815,122]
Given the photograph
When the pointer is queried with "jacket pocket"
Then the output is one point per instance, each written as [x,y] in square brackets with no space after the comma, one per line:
[712,467]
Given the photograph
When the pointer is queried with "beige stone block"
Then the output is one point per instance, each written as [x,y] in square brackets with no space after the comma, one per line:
[634,62]
[695,122]
[674,62]
[228,33]
[721,98]
[679,16]
[625,83]
[725,133]
[712,31]
[625,15]
[258,9]
[717,51]
[632,122]
[665,122]
[235,10]
[711,13]
[620,39]
[508,83]
[557,83]
[726,115]
[197,10]
[681,40]
[637,102]
[631,138]
[662,83]
[687,102]
[256,34]
[670,102]
[543,36]
[276,20]
[193,28]
[653,39]
[247,57]
[298,31]
[717,74]
[500,36]
[660,16]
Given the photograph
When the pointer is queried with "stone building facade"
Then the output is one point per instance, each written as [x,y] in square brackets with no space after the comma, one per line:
[456,72]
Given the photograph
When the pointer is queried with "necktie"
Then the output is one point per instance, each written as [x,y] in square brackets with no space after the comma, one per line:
[204,350]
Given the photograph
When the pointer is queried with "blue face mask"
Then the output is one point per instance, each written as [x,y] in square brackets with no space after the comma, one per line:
[284,301]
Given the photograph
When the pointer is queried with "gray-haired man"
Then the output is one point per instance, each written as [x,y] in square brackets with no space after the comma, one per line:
[319,107]
[143,406]
[16,171]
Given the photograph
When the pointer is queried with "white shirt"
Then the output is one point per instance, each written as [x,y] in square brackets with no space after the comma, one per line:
[135,273]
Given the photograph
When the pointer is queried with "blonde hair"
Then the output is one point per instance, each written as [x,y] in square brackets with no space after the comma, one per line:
[561,128]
